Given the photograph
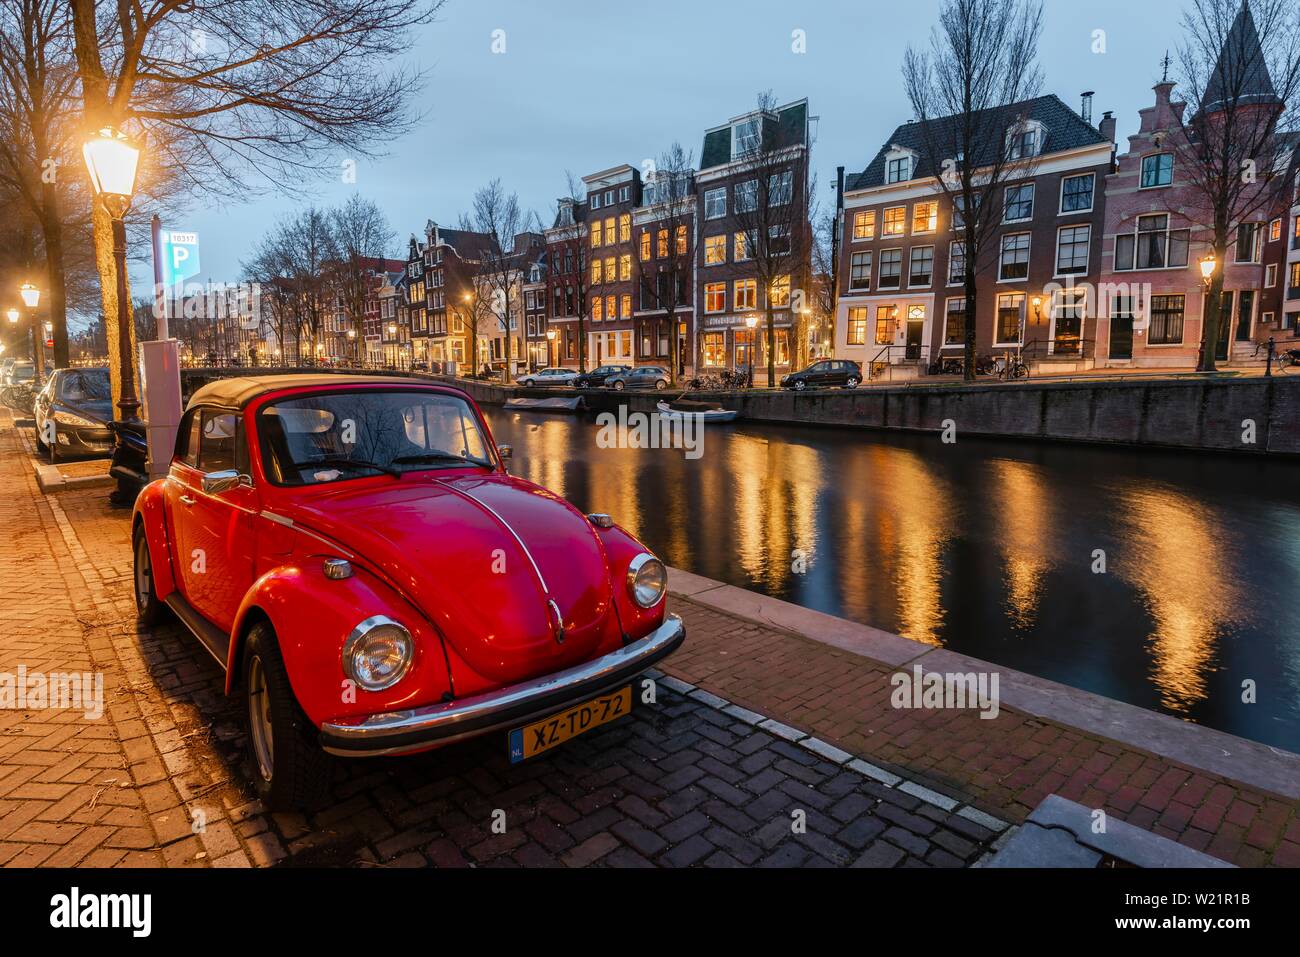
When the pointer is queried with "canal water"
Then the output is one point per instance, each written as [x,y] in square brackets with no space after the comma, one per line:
[993,549]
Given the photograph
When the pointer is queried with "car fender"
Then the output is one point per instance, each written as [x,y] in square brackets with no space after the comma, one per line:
[313,616]
[151,511]
[620,548]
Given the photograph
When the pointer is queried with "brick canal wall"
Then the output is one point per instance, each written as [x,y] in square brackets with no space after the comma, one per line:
[1210,414]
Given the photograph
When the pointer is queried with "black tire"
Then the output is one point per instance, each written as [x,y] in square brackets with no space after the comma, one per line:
[148,609]
[800,386]
[299,770]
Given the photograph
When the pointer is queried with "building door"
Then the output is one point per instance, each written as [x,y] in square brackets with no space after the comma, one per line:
[1225,324]
[1121,328]
[1244,314]
[915,332]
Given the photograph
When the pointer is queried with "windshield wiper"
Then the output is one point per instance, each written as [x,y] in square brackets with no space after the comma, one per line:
[440,457]
[359,463]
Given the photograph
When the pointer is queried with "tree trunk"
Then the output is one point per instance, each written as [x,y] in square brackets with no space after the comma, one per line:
[52,227]
[771,341]
[1213,308]
[972,290]
[105,266]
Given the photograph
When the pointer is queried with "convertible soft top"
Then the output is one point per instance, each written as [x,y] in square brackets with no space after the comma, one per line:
[237,392]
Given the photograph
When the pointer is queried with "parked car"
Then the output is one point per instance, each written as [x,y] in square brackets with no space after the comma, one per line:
[642,377]
[825,375]
[548,377]
[6,366]
[598,377]
[375,582]
[73,413]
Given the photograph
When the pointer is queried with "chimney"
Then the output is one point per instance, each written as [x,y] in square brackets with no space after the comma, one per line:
[1086,110]
[1107,125]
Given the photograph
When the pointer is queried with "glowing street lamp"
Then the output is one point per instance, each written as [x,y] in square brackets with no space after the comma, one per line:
[31,295]
[1208,265]
[14,315]
[112,160]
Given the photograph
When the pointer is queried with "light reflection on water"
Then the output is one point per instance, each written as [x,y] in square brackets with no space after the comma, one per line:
[984,547]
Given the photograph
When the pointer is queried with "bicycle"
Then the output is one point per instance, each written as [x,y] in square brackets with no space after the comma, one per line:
[1010,367]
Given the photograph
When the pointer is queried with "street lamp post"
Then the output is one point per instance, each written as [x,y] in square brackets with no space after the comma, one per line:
[550,347]
[112,161]
[752,322]
[31,299]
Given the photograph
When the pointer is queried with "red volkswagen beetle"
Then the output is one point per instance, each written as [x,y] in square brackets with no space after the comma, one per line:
[354,554]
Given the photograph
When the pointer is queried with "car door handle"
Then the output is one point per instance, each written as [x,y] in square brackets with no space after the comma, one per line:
[186,500]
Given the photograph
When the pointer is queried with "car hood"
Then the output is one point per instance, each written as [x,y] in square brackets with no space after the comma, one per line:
[96,410]
[483,556]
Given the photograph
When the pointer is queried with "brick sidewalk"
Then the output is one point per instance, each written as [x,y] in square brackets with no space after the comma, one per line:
[682,783]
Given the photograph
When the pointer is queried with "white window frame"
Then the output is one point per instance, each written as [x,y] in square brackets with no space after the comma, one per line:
[884,218]
[1020,326]
[1060,206]
[961,281]
[871,264]
[1270,275]
[896,156]
[933,229]
[710,198]
[1006,201]
[911,257]
[1002,250]
[1055,305]
[1087,259]
[1142,168]
[880,262]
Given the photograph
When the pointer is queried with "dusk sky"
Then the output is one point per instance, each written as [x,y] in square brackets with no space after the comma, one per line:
[585,86]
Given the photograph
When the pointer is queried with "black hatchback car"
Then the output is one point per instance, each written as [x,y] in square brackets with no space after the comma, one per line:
[826,374]
[597,377]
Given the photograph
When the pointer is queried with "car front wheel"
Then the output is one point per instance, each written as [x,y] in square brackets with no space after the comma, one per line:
[800,385]
[660,385]
[288,768]
[851,384]
[618,386]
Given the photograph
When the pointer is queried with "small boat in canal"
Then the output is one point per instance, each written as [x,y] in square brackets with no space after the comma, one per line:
[555,404]
[679,409]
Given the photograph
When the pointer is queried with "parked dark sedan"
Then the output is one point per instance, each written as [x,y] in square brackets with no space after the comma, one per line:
[73,411]
[642,377]
[598,377]
[825,374]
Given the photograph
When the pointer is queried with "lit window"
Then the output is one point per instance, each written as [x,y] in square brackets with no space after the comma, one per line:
[864,225]
[611,235]
[625,227]
[715,250]
[681,240]
[895,221]
[925,217]
[595,233]
[645,245]
[595,272]
[886,320]
[857,328]
[715,297]
[625,267]
[744,245]
[779,295]
[745,292]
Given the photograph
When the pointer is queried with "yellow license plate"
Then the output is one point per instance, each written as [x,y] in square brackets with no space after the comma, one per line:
[533,739]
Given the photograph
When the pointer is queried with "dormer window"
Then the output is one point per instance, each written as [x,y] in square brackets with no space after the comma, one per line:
[1025,140]
[746,137]
[899,165]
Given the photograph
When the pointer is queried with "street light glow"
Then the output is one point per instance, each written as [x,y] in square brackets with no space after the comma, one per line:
[112,161]
[13,315]
[31,295]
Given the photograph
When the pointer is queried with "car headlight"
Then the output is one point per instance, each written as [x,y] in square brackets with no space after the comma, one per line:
[647,579]
[69,418]
[377,653]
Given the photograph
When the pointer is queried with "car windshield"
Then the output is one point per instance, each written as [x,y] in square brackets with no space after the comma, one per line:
[88,385]
[345,435]
[23,373]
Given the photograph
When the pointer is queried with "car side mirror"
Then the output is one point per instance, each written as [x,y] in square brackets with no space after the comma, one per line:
[506,452]
[214,483]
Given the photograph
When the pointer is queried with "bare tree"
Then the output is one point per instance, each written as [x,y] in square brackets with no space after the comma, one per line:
[1241,85]
[220,89]
[292,264]
[825,291]
[665,279]
[965,92]
[499,215]
[771,208]
[360,234]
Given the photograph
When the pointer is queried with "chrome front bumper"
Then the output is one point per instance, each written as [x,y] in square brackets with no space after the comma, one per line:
[397,731]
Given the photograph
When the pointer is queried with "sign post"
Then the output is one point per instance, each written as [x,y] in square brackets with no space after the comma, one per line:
[175,259]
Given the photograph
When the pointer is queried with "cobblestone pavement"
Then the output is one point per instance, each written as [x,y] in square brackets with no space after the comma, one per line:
[690,780]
